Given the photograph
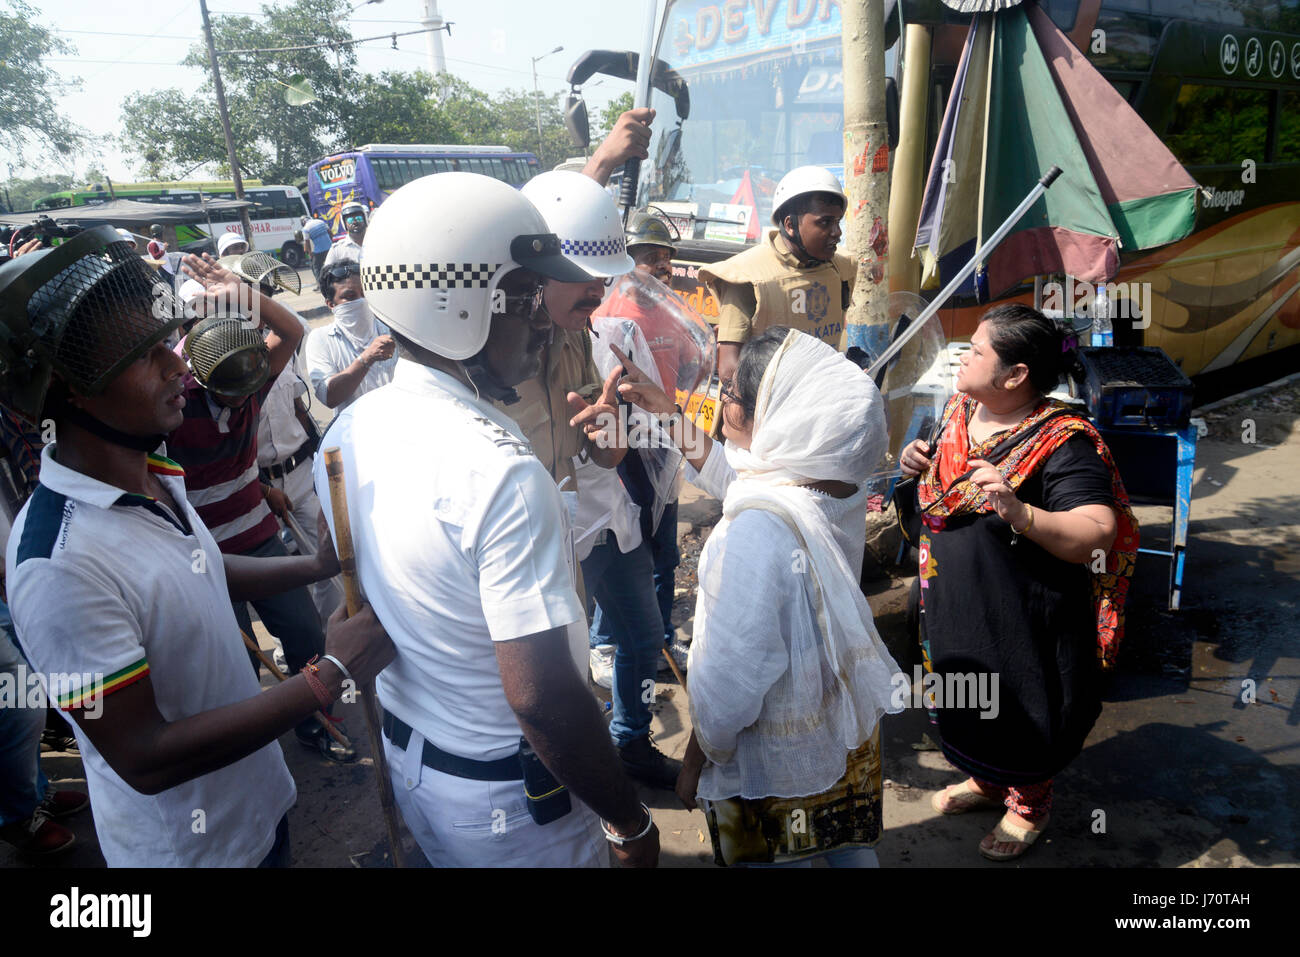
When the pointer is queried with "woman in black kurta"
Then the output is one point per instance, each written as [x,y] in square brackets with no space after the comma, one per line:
[1007,590]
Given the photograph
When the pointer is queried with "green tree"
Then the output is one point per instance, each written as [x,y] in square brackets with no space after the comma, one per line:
[20,194]
[172,130]
[515,114]
[417,107]
[28,88]
[610,114]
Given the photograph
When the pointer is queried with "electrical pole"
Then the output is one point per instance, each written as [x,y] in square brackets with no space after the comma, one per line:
[225,127]
[866,172]
[537,103]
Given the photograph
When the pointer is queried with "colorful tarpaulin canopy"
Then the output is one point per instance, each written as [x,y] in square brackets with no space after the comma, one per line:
[1025,98]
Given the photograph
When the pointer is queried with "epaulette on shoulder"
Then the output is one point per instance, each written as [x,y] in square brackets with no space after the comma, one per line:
[502,438]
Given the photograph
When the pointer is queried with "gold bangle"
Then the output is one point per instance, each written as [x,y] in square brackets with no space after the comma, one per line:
[1029,525]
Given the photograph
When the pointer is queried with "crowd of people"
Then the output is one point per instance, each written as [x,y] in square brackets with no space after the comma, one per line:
[512,534]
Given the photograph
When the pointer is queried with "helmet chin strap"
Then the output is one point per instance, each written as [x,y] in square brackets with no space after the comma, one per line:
[795,240]
[101,429]
[486,381]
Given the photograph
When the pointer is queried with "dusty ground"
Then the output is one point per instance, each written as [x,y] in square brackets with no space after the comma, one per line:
[1180,771]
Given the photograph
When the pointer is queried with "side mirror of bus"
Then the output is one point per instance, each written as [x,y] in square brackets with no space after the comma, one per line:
[891,110]
[575,121]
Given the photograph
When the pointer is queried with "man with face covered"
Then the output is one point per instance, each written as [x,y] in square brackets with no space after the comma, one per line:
[463,546]
[354,353]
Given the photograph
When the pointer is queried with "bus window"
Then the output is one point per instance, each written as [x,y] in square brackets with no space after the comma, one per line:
[498,169]
[411,170]
[1218,124]
[1201,132]
[1288,132]
[441,166]
[1131,37]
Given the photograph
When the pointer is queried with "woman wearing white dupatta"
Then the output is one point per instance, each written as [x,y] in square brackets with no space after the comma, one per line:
[789,677]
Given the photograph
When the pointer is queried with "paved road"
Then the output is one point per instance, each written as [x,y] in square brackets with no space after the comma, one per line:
[1179,771]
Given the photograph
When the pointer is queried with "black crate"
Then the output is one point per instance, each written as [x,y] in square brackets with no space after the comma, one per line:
[1135,388]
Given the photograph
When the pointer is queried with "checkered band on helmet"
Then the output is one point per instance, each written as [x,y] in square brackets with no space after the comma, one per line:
[611,246]
[428,276]
[99,313]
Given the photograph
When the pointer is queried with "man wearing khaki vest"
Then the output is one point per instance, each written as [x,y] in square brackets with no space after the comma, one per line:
[793,276]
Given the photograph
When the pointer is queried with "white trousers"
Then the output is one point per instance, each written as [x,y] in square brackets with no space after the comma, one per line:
[462,823]
[298,485]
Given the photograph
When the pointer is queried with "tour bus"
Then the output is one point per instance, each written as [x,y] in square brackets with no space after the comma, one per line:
[369,173]
[275,216]
[1217,80]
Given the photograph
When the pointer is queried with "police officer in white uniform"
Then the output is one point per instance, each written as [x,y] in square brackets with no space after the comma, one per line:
[463,547]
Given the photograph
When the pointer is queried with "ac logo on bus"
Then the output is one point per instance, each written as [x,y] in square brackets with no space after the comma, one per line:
[335,174]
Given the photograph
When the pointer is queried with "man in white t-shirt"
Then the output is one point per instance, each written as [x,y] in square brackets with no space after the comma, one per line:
[463,546]
[348,248]
[119,593]
[354,353]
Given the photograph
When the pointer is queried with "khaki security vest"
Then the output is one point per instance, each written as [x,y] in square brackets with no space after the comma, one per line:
[787,294]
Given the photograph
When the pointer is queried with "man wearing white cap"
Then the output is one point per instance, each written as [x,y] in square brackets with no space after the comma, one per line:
[127,236]
[231,244]
[617,567]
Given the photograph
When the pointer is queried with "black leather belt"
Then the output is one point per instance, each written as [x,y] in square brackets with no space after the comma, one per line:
[502,769]
[302,455]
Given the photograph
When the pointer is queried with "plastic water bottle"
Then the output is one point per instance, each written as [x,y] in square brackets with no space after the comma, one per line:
[1103,333]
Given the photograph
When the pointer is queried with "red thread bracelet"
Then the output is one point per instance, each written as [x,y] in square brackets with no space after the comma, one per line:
[309,671]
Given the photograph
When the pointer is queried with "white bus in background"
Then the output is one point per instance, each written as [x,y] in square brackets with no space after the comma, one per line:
[275,216]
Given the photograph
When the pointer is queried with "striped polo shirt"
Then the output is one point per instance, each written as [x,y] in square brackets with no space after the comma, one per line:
[217,447]
[111,590]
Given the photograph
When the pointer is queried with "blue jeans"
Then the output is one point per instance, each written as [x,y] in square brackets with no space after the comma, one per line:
[623,584]
[290,616]
[22,782]
[665,558]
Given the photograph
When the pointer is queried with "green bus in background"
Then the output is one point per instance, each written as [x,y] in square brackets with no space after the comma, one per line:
[275,216]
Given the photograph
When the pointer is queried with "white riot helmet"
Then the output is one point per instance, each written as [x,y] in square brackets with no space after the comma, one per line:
[578,210]
[437,249]
[801,181]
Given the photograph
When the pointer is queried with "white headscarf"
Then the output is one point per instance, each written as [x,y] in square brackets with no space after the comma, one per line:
[818,417]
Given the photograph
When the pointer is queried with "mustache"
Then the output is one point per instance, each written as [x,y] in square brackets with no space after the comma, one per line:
[587,304]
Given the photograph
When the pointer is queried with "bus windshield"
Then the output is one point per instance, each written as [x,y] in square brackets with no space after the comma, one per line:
[369,174]
[766,95]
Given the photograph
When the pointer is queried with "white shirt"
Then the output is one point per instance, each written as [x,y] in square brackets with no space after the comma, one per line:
[103,582]
[461,541]
[330,351]
[345,250]
[752,645]
[279,433]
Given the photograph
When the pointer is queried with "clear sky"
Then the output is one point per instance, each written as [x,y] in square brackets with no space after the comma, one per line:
[122,48]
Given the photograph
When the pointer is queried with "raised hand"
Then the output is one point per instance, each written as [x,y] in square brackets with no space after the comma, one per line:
[599,420]
[639,389]
[225,293]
